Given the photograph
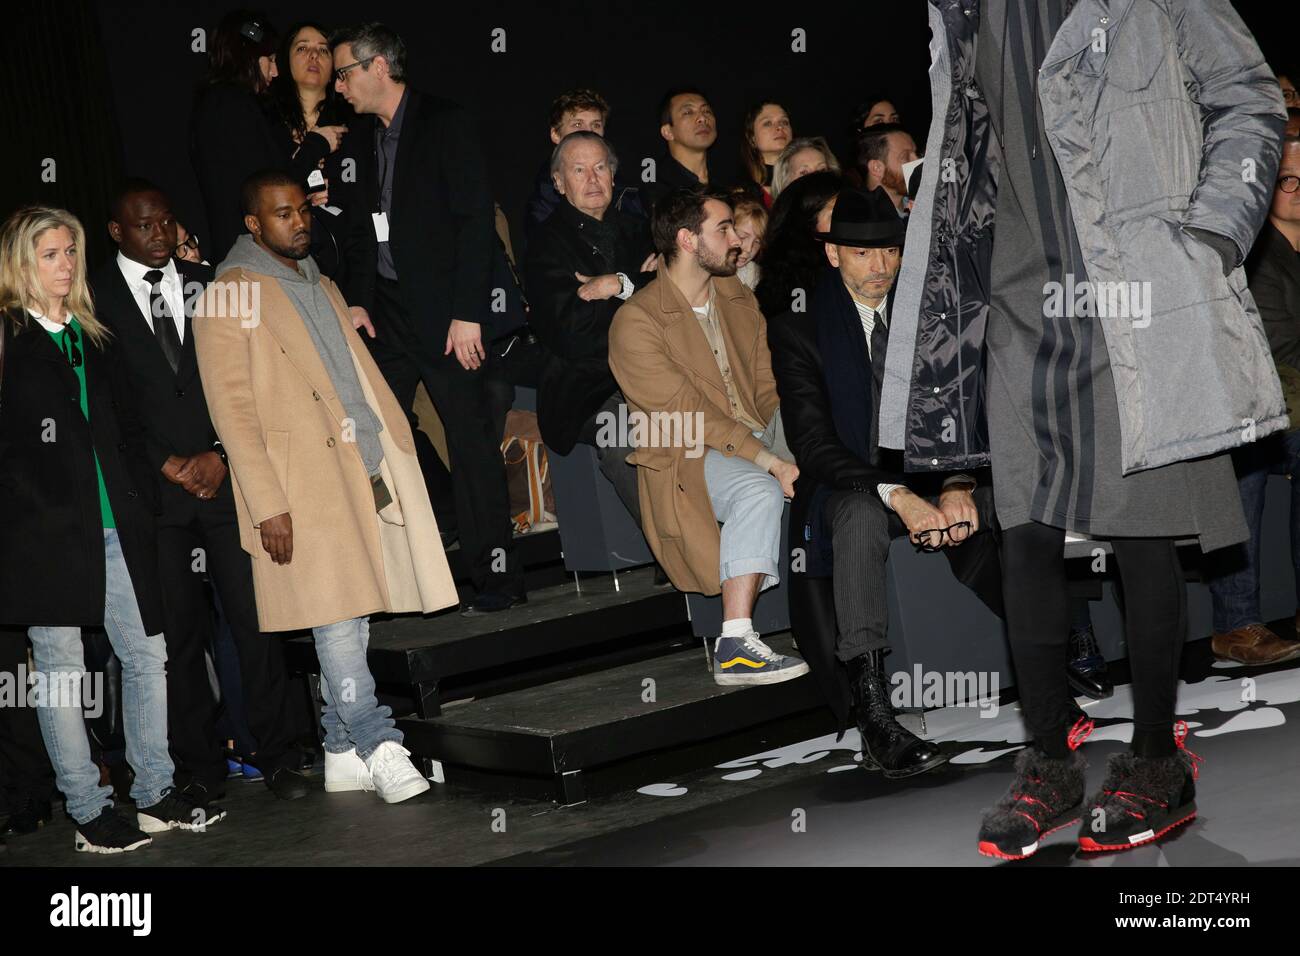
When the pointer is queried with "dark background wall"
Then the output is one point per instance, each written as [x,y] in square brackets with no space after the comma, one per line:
[107,86]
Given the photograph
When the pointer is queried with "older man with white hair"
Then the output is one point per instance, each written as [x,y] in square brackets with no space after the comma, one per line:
[583,262]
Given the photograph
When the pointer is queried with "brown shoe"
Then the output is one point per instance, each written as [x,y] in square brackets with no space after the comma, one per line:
[1253,644]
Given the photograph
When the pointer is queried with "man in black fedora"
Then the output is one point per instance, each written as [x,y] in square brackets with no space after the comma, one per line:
[850,500]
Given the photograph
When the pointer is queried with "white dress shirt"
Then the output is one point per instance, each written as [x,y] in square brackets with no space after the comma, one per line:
[870,317]
[133,272]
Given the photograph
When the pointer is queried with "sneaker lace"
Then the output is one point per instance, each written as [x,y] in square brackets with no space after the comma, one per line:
[388,756]
[1180,738]
[1080,732]
[756,647]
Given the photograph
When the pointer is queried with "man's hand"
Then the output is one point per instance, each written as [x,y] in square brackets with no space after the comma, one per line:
[917,513]
[333,135]
[322,196]
[361,320]
[277,538]
[466,340]
[786,473]
[203,474]
[601,287]
[171,468]
[651,263]
[958,504]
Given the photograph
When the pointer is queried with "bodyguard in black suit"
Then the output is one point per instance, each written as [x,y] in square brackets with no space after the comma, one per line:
[147,299]
[851,500]
[420,265]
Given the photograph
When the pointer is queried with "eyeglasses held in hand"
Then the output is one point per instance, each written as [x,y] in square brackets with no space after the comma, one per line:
[932,539]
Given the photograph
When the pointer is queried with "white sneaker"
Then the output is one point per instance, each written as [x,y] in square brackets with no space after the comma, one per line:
[346,771]
[396,778]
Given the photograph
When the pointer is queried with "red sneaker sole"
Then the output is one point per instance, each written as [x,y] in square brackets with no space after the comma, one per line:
[1089,845]
[991,849]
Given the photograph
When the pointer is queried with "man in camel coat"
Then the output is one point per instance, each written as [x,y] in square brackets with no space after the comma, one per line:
[330,498]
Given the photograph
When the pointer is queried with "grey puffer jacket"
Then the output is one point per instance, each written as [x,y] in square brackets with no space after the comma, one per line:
[1164,118]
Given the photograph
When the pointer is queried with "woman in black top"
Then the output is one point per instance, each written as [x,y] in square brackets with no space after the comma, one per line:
[232,133]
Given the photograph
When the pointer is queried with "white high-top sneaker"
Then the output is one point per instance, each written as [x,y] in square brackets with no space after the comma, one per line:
[396,778]
[346,771]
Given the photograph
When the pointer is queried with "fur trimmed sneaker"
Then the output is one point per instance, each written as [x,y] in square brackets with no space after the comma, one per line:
[1046,796]
[1142,799]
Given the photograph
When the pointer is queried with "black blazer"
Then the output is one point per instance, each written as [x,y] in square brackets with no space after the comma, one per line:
[172,407]
[576,380]
[1273,275]
[51,532]
[442,227]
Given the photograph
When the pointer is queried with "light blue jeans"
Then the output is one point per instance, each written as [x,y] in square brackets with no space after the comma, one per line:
[351,716]
[57,653]
[749,503]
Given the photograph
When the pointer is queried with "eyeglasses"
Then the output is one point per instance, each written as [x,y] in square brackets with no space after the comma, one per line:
[191,243]
[342,72]
[1288,184]
[932,539]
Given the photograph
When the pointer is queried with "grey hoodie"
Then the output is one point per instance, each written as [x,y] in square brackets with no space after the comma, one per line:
[302,286]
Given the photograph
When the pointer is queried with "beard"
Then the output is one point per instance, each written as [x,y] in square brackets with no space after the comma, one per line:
[288,251]
[724,265]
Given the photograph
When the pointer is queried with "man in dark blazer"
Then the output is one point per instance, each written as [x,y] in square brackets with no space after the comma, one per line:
[420,275]
[584,262]
[852,500]
[1273,277]
[147,299]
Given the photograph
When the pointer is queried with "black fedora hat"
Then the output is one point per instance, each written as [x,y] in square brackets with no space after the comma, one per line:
[865,219]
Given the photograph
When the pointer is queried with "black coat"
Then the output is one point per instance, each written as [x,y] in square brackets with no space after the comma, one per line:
[576,379]
[442,225]
[172,408]
[1273,274]
[231,137]
[51,532]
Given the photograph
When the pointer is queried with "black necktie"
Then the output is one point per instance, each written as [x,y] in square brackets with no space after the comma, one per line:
[879,344]
[164,326]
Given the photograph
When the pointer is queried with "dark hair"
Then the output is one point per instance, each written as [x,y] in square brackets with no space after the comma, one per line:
[792,255]
[251,191]
[864,108]
[750,158]
[239,41]
[873,143]
[130,186]
[575,101]
[666,104]
[284,102]
[682,208]
[374,39]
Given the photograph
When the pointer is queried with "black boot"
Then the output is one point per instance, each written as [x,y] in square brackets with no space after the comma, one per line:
[1086,670]
[887,745]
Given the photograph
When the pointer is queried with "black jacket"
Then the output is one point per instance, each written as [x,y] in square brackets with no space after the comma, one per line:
[51,531]
[1273,275]
[669,175]
[442,225]
[576,379]
[172,408]
[232,137]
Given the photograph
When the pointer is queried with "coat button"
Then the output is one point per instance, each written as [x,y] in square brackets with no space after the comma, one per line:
[680,488]
[329,442]
[934,461]
[133,494]
[316,396]
[936,390]
[180,393]
[121,446]
[731,448]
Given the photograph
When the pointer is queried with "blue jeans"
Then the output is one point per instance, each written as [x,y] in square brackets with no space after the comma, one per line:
[351,715]
[1235,589]
[57,653]
[749,503]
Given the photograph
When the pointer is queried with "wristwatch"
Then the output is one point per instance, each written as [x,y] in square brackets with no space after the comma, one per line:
[220,449]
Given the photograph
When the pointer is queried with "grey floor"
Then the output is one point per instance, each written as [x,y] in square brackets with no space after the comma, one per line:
[807,804]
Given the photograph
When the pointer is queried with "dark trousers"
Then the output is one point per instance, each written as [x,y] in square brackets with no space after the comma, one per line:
[478,474]
[613,458]
[25,771]
[1233,576]
[1038,626]
[189,527]
[861,531]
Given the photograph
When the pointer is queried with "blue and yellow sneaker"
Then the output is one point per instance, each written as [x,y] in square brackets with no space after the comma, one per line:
[747,660]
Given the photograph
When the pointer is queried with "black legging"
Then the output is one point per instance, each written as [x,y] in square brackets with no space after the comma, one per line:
[1038,624]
